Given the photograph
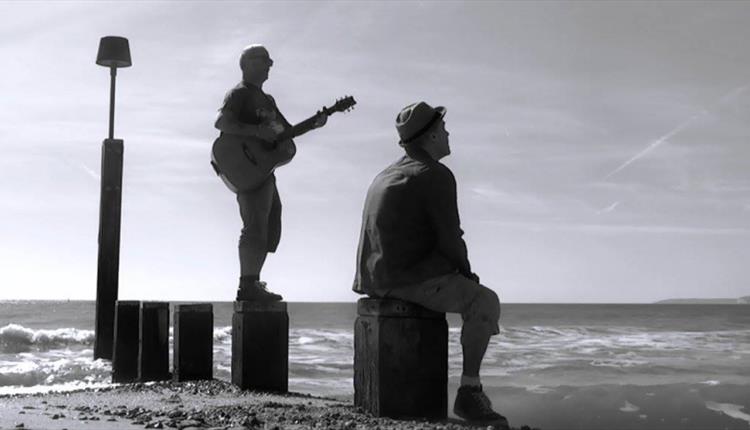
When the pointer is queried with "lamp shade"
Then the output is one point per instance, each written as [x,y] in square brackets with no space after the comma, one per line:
[114,51]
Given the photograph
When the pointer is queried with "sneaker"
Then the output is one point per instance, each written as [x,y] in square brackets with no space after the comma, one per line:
[256,292]
[474,406]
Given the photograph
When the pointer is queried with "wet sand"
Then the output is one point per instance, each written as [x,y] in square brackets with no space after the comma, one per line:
[636,407]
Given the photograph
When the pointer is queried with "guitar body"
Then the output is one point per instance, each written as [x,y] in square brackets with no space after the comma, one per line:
[244,163]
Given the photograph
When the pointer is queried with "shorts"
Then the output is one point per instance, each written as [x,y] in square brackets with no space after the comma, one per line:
[478,305]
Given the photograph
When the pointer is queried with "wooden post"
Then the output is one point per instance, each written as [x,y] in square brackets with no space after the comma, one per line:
[400,359]
[193,342]
[153,351]
[125,353]
[260,346]
[109,246]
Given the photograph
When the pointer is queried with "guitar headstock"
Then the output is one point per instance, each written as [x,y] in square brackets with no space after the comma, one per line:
[344,104]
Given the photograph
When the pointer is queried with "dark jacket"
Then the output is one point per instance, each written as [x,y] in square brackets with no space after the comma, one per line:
[410,227]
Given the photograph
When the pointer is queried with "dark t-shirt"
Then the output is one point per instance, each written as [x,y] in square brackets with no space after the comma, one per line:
[249,104]
[410,227]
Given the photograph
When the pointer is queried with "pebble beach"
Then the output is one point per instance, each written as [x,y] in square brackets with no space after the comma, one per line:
[192,405]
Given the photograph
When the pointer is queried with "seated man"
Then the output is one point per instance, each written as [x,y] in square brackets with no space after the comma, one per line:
[411,248]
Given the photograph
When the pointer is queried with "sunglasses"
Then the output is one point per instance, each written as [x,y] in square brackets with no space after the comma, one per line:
[261,59]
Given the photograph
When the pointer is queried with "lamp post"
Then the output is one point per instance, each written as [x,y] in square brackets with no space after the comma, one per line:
[114,52]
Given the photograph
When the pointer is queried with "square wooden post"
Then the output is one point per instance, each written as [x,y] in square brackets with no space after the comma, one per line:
[108,260]
[193,342]
[400,359]
[260,346]
[125,353]
[153,352]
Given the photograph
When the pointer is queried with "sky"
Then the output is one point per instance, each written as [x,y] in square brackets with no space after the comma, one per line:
[601,149]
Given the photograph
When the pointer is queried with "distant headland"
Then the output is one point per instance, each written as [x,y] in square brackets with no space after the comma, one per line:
[739,301]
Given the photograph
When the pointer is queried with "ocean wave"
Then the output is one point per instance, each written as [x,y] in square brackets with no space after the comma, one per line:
[53,369]
[16,338]
[299,337]
[309,335]
[303,340]
[587,341]
[37,389]
[595,341]
[530,354]
[223,334]
[588,331]
[618,363]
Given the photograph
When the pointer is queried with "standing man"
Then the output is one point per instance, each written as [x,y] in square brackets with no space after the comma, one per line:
[411,248]
[248,111]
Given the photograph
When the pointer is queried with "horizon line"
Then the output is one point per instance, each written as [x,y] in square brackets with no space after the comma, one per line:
[657,302]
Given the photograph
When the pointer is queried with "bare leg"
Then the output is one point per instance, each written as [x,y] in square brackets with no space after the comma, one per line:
[480,323]
[474,345]
[255,207]
[252,258]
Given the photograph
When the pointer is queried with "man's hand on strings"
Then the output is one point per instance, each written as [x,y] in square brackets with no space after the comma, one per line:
[320,120]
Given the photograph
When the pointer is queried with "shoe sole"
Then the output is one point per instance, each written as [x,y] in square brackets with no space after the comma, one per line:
[499,424]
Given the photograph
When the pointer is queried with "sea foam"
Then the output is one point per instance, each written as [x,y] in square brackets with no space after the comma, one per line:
[17,338]
[729,409]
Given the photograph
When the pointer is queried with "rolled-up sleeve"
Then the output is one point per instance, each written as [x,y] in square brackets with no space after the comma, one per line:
[234,101]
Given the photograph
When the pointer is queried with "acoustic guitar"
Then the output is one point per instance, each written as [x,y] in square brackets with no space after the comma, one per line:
[245,162]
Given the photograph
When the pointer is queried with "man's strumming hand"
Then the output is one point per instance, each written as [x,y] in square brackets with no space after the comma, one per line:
[266,133]
[320,120]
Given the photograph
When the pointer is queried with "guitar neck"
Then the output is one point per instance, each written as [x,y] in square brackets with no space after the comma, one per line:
[297,129]
[302,127]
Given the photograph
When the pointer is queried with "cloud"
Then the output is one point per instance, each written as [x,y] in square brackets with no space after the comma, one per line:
[607,209]
[517,201]
[89,171]
[726,98]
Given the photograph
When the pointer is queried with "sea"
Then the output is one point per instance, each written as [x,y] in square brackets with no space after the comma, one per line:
[48,345]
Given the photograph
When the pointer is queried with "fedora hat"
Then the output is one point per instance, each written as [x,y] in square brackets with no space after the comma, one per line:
[414,120]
